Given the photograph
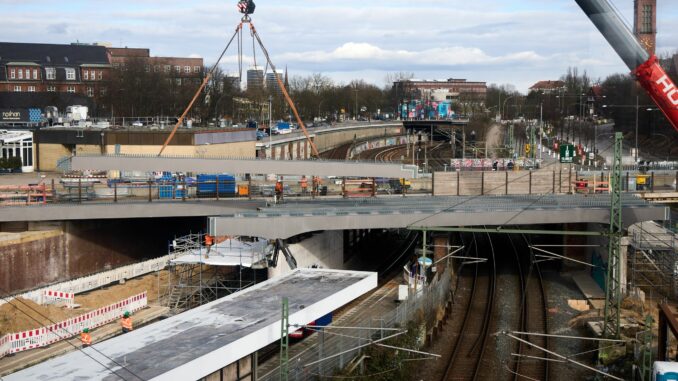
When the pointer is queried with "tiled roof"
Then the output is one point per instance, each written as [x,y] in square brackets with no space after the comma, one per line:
[53,54]
[544,85]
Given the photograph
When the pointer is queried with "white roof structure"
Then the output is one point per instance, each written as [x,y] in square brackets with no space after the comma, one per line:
[199,342]
[14,136]
[231,252]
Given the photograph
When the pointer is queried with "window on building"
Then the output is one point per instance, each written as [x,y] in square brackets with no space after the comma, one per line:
[70,89]
[70,74]
[31,89]
[86,75]
[17,89]
[196,69]
[178,81]
[116,65]
[90,91]
[647,19]
[147,68]
[177,68]
[35,73]
[187,69]
[103,91]
[167,68]
[12,73]
[50,72]
[21,73]
[51,89]
[92,74]
[28,73]
[100,75]
[156,68]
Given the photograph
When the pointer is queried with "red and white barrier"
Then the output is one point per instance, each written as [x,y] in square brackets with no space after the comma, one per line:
[52,297]
[40,337]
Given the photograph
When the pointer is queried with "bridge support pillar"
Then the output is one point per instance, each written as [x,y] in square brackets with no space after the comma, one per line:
[441,248]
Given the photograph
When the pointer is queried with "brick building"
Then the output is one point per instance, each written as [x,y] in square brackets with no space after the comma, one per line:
[645,23]
[51,68]
[181,70]
[456,89]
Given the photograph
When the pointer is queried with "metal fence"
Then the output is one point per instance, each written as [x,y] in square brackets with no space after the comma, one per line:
[331,350]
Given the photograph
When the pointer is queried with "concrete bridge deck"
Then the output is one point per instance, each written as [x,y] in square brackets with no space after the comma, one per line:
[255,218]
[284,221]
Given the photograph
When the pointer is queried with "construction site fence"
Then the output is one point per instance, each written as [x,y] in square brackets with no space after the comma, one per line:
[91,282]
[337,349]
[545,181]
[53,297]
[40,337]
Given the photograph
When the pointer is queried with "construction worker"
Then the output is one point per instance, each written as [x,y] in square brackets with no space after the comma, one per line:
[126,322]
[85,338]
[316,185]
[304,185]
[279,191]
[209,241]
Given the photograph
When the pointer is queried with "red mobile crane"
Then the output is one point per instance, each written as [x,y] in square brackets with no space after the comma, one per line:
[644,66]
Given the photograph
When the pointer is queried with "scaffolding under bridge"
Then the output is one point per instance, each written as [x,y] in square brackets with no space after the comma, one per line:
[200,273]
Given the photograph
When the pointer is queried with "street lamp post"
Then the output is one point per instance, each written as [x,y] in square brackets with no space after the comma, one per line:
[637,106]
[637,112]
[270,125]
[356,104]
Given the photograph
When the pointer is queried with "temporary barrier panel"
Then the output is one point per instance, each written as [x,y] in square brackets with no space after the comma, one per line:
[40,337]
[52,296]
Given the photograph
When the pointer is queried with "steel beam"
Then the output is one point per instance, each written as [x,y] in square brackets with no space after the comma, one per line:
[242,166]
[500,230]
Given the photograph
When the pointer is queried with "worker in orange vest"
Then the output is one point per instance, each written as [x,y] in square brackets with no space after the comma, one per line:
[278,191]
[304,185]
[316,185]
[85,338]
[209,241]
[126,322]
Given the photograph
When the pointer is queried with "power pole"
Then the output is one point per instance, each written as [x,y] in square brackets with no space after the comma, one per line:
[284,339]
[613,293]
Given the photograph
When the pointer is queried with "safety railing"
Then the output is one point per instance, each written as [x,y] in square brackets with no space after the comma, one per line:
[40,337]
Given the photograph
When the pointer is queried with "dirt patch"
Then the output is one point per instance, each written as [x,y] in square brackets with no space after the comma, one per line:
[21,315]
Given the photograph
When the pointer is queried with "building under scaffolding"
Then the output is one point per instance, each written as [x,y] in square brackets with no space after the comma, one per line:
[199,274]
[653,259]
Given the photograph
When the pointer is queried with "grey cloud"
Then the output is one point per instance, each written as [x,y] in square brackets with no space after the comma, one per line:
[61,28]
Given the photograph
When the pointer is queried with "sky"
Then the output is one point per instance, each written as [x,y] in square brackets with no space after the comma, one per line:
[517,42]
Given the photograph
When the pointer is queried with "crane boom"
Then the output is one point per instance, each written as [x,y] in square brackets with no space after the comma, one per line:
[645,67]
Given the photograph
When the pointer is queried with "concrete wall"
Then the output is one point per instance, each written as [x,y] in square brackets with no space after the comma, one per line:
[87,247]
[325,250]
[329,140]
[48,154]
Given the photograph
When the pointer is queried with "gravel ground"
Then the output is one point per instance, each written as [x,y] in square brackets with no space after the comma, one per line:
[560,288]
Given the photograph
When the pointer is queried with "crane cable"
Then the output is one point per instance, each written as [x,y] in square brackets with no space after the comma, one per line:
[255,35]
[197,93]
[284,91]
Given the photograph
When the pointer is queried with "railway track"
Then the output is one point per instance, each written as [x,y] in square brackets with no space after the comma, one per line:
[528,363]
[467,358]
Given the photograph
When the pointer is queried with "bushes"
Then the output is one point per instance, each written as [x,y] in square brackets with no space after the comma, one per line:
[10,163]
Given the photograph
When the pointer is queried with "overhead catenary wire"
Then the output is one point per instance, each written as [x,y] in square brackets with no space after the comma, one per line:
[10,302]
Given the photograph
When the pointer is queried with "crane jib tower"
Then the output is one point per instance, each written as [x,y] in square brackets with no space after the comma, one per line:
[645,67]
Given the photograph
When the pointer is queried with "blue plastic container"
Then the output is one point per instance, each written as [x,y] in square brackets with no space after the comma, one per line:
[207,185]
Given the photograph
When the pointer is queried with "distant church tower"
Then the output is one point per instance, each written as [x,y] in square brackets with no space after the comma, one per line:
[645,23]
